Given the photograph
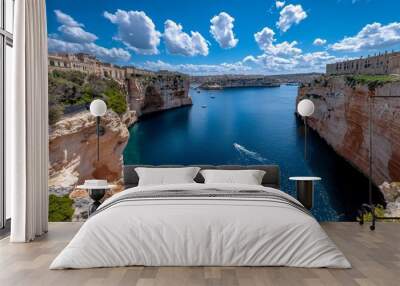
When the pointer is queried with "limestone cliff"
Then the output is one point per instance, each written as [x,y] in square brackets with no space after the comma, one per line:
[391,193]
[73,159]
[73,141]
[158,91]
[341,118]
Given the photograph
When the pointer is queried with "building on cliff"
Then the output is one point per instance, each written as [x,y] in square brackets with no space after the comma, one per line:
[91,65]
[147,91]
[385,63]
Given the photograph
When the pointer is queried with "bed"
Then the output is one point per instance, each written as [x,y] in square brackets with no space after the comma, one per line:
[198,224]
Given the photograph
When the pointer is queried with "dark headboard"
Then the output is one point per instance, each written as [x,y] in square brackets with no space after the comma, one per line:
[271,177]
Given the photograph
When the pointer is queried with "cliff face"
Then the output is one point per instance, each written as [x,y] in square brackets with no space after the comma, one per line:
[151,93]
[341,118]
[73,140]
[73,154]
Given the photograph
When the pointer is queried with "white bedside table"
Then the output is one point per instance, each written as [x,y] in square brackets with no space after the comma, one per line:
[305,190]
[96,193]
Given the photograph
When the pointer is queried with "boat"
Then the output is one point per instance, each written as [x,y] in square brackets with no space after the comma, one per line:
[204,106]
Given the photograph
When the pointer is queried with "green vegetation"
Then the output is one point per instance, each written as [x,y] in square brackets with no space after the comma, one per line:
[76,89]
[60,208]
[116,100]
[75,77]
[55,112]
[379,211]
[373,81]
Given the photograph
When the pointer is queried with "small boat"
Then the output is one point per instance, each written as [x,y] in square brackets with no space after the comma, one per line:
[212,96]
[198,91]
[204,106]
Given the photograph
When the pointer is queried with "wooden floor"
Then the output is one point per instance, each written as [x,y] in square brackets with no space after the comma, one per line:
[375,257]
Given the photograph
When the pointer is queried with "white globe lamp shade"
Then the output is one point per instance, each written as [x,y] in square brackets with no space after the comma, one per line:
[98,107]
[305,107]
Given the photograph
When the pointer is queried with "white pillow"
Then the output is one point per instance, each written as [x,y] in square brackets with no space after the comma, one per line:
[165,176]
[248,177]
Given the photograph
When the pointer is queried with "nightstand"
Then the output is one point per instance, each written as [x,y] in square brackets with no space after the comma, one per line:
[96,193]
[305,190]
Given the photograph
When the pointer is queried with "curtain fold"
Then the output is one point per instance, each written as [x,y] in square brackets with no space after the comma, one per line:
[28,124]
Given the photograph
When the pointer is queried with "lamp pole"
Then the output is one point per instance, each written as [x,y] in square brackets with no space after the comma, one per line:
[370,152]
[305,138]
[98,108]
[98,136]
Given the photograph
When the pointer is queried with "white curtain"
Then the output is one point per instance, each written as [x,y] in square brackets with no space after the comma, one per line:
[27,124]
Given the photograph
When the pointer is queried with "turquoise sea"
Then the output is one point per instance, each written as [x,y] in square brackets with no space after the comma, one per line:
[250,126]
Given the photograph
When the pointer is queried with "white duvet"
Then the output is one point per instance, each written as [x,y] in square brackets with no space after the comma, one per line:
[193,231]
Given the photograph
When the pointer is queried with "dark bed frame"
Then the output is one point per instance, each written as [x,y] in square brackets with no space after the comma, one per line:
[271,178]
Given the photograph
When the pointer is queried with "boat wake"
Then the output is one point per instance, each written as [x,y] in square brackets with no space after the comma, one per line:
[248,154]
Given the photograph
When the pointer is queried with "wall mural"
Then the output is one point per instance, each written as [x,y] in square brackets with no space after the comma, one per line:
[220,86]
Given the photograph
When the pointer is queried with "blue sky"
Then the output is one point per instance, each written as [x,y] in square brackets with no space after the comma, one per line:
[215,36]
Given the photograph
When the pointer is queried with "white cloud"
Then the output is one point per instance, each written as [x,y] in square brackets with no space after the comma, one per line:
[72,30]
[285,57]
[371,37]
[222,30]
[285,49]
[265,40]
[181,43]
[199,69]
[136,30]
[315,60]
[67,20]
[269,63]
[279,4]
[290,15]
[309,62]
[76,34]
[261,64]
[105,54]
[108,55]
[319,42]
[74,39]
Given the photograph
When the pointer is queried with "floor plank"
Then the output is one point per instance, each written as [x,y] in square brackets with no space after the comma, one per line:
[375,257]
